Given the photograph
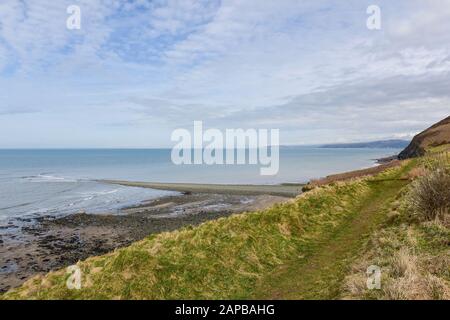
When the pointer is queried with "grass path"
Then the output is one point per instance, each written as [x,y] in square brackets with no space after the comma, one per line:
[320,273]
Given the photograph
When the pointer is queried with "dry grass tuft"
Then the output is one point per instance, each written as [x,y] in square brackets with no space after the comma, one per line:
[407,270]
[404,263]
[417,173]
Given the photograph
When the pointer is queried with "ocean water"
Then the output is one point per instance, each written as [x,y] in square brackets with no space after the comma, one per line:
[58,182]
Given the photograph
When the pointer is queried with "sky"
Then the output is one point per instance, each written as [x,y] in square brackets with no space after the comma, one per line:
[138,69]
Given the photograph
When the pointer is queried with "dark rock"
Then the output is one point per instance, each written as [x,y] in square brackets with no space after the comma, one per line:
[436,135]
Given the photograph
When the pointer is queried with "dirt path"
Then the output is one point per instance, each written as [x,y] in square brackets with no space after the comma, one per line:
[319,275]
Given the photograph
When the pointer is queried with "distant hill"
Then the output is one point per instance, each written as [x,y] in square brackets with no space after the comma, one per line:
[372,144]
[434,136]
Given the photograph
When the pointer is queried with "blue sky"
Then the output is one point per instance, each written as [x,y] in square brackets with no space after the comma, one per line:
[136,70]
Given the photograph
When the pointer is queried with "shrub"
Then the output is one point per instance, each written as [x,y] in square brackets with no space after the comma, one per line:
[429,197]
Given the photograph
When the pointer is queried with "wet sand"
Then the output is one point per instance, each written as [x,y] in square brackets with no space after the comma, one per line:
[32,246]
[284,190]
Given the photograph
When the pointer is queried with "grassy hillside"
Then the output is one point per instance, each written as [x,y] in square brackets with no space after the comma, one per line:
[319,274]
[414,259]
[436,135]
[242,255]
[413,246]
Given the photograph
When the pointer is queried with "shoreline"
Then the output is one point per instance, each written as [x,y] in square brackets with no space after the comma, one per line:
[283,190]
[49,243]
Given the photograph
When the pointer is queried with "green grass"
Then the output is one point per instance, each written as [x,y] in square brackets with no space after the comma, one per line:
[412,251]
[441,148]
[268,254]
[319,275]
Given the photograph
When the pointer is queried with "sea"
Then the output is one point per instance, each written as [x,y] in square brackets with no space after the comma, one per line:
[57,182]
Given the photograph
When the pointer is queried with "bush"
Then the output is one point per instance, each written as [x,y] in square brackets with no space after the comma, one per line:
[430,195]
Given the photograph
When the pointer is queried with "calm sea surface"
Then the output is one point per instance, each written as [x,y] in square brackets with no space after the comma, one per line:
[43,182]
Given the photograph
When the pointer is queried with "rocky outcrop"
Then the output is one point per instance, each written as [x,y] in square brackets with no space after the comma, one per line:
[434,136]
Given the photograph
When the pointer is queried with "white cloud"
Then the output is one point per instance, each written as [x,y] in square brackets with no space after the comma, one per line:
[309,67]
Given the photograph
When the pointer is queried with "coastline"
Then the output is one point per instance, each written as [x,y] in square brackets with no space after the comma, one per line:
[49,243]
[283,190]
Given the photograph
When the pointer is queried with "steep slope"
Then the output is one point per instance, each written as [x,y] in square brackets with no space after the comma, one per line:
[237,257]
[434,136]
